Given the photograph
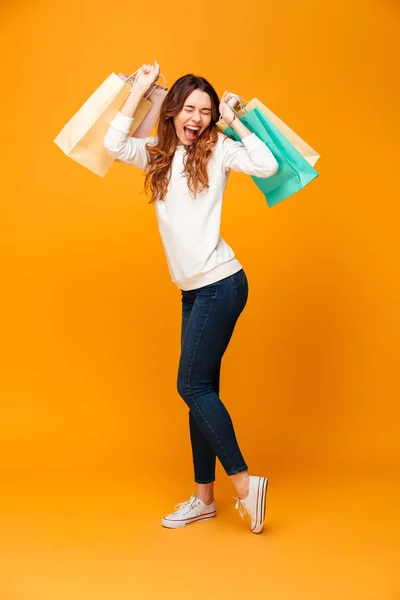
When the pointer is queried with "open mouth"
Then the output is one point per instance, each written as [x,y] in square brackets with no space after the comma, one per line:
[191,132]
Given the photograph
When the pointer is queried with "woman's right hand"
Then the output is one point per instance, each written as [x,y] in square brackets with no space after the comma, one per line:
[147,75]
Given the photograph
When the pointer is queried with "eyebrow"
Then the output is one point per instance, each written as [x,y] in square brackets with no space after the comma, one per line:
[191,106]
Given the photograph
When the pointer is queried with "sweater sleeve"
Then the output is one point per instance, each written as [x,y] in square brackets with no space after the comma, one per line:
[119,144]
[251,155]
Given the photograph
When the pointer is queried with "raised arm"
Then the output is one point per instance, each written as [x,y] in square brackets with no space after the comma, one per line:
[117,141]
[251,155]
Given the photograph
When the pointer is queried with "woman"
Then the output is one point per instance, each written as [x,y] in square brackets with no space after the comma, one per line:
[187,165]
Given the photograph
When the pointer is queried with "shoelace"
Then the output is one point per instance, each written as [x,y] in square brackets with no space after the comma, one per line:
[186,504]
[240,506]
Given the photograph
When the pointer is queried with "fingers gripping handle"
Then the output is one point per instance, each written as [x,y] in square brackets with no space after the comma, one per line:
[153,86]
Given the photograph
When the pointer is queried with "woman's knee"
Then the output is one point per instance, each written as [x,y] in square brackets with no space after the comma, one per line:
[183,389]
[194,391]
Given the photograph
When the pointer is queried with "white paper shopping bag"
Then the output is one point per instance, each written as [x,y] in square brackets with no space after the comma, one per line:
[82,137]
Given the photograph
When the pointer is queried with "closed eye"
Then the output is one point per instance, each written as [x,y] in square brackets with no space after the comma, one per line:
[206,111]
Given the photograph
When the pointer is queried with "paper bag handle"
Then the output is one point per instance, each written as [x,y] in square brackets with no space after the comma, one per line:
[242,106]
[152,88]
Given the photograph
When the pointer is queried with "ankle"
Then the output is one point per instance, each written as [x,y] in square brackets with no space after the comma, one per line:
[205,499]
[243,492]
[241,482]
[205,492]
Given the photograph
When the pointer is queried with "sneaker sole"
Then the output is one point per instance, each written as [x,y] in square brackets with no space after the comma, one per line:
[171,524]
[261,505]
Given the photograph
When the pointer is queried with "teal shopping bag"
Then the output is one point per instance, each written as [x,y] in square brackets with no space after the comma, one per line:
[294,171]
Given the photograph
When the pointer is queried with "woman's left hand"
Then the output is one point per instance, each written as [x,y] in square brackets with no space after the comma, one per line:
[224,110]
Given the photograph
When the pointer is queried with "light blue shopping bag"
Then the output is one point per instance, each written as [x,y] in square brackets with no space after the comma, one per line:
[294,170]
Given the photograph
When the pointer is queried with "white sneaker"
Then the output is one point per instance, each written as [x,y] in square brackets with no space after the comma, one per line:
[188,512]
[254,503]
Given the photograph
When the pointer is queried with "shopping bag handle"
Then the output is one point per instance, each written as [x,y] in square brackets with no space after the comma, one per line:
[153,85]
[242,106]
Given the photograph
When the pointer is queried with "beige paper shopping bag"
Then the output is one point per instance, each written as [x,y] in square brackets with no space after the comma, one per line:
[301,146]
[82,137]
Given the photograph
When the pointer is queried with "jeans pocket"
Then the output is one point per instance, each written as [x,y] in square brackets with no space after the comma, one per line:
[240,284]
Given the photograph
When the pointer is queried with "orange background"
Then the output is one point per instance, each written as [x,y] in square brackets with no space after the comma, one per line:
[91,320]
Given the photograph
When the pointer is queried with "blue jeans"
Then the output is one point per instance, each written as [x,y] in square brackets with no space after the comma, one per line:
[209,315]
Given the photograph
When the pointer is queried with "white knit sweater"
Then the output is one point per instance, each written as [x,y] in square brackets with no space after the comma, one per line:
[190,228]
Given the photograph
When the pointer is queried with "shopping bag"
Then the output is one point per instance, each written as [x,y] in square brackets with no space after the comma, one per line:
[294,171]
[82,137]
[305,150]
[156,95]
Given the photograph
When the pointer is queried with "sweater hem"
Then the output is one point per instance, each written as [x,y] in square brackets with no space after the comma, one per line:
[197,281]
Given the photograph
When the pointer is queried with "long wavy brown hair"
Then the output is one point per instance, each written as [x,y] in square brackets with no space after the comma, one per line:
[158,172]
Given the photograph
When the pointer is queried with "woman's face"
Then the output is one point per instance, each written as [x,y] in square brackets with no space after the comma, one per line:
[194,117]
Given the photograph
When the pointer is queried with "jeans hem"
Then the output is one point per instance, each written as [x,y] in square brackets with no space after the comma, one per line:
[204,482]
[238,471]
